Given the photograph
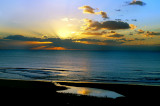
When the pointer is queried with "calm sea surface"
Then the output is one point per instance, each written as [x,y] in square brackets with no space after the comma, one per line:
[88,66]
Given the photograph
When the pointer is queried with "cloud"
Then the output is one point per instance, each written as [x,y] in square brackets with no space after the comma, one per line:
[112,32]
[87,9]
[99,42]
[110,25]
[21,38]
[92,42]
[68,19]
[117,9]
[90,10]
[116,35]
[140,39]
[135,2]
[29,43]
[118,19]
[134,19]
[65,19]
[140,31]
[148,33]
[94,33]
[114,42]
[16,44]
[103,14]
[48,48]
[152,34]
[132,26]
[22,42]
[131,39]
[44,37]
[36,42]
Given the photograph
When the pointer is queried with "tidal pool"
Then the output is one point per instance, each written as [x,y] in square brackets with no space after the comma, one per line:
[90,92]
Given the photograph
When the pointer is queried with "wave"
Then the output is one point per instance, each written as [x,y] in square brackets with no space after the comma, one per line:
[55,74]
[30,73]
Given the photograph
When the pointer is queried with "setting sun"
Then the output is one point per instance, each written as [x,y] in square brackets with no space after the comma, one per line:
[64,34]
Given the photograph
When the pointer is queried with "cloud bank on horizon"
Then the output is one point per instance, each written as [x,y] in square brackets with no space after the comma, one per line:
[31,43]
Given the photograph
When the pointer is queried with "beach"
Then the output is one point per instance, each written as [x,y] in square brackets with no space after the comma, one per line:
[45,92]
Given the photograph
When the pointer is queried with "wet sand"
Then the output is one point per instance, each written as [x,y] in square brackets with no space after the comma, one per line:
[41,92]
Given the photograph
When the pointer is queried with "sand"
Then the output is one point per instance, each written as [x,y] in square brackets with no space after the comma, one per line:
[45,93]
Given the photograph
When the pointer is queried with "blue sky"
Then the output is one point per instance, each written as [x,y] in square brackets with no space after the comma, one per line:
[43,10]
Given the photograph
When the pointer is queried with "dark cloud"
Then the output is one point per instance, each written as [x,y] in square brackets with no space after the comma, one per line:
[136,2]
[132,39]
[111,25]
[106,42]
[116,36]
[21,38]
[29,43]
[112,32]
[84,39]
[117,9]
[44,37]
[113,42]
[118,19]
[124,39]
[152,33]
[126,20]
[147,33]
[12,44]
[134,19]
[140,39]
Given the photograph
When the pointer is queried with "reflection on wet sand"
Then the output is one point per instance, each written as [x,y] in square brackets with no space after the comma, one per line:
[90,92]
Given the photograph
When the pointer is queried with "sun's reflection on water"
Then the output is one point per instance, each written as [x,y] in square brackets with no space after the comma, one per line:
[84,91]
[90,92]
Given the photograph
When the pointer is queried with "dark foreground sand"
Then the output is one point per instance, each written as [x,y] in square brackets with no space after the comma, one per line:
[18,92]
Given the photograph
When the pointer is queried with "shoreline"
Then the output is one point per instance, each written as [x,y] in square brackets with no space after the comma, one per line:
[45,91]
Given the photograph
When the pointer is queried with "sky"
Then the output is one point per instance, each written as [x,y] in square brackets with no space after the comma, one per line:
[80,24]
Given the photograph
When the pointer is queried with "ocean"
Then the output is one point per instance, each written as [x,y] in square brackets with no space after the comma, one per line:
[125,67]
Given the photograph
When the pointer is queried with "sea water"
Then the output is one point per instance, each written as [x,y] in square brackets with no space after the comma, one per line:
[132,67]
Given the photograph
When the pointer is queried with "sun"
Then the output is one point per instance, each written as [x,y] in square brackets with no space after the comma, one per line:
[64,34]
